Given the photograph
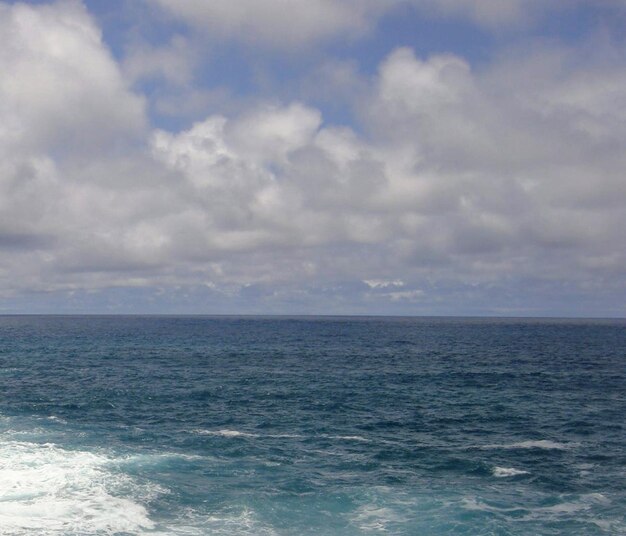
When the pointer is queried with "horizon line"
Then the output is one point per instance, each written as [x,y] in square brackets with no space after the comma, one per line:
[316,315]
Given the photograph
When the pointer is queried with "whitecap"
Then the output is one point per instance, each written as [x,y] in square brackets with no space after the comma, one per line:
[50,490]
[503,472]
[541,444]
[583,506]
[376,518]
[545,444]
[595,498]
[158,458]
[350,438]
[472,503]
[243,522]
[238,433]
[226,433]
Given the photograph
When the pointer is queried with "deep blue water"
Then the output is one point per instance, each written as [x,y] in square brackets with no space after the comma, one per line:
[302,426]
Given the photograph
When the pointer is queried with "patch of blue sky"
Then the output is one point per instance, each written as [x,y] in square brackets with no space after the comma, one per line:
[404,26]
[260,73]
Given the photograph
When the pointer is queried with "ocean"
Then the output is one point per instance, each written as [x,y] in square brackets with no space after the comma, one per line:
[156,425]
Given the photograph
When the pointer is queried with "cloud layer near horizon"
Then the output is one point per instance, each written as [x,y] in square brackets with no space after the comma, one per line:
[497,190]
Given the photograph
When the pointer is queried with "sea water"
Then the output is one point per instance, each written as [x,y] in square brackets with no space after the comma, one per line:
[311,426]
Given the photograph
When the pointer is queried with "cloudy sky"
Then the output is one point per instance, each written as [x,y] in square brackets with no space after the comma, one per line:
[428,157]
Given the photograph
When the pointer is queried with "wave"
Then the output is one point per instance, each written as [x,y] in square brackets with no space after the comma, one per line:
[238,433]
[225,433]
[50,490]
[350,438]
[581,508]
[544,444]
[241,522]
[376,518]
[503,472]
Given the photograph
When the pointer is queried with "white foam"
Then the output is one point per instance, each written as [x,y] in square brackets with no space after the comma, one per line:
[350,438]
[242,522]
[57,419]
[226,433]
[582,507]
[567,508]
[157,458]
[472,503]
[375,518]
[595,498]
[49,490]
[237,433]
[576,508]
[286,436]
[540,444]
[503,472]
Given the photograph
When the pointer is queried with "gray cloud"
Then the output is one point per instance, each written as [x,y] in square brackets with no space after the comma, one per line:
[459,191]
[298,23]
[274,22]
[24,241]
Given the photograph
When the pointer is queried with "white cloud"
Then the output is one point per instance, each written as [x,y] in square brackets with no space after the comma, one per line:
[275,22]
[456,177]
[270,134]
[409,295]
[59,82]
[520,175]
[294,23]
[63,101]
[463,172]
[173,62]
[382,284]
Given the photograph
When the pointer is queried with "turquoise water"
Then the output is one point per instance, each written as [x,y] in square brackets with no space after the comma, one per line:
[301,426]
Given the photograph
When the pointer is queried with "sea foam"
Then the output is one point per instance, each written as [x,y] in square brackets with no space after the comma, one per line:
[226,433]
[49,490]
[503,472]
[543,444]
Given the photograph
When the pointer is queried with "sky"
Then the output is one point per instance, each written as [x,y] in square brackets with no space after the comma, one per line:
[403,157]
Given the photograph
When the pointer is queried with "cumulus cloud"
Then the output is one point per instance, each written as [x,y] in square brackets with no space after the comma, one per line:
[454,184]
[61,96]
[268,177]
[59,82]
[509,165]
[461,175]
